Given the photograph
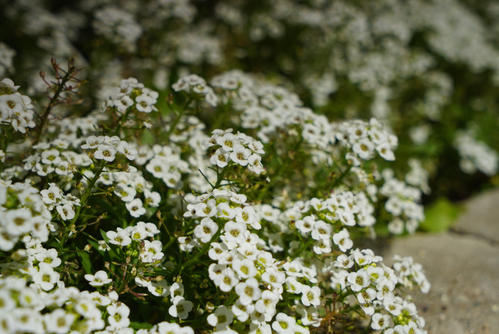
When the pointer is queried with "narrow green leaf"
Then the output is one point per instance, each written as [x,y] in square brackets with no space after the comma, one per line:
[85,261]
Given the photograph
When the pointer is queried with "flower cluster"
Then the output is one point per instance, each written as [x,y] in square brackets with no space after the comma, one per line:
[118,26]
[105,148]
[54,198]
[23,214]
[55,158]
[373,284]
[255,276]
[16,109]
[476,155]
[402,203]
[6,57]
[132,188]
[196,85]
[166,164]
[192,221]
[367,138]
[132,94]
[238,148]
[29,310]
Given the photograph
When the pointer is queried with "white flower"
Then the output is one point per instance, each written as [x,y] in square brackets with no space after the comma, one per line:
[273,276]
[51,195]
[18,221]
[221,318]
[267,303]
[49,256]
[135,207]
[180,308]
[224,210]
[98,279]
[58,321]
[7,302]
[118,315]
[310,295]
[260,328]
[105,152]
[138,232]
[248,291]
[205,230]
[172,328]
[358,280]
[284,323]
[120,237]
[227,280]
[45,277]
[234,232]
[321,230]
[380,321]
[242,312]
[151,251]
[244,268]
[240,155]
[342,240]
[305,225]
[66,211]
[125,192]
[220,159]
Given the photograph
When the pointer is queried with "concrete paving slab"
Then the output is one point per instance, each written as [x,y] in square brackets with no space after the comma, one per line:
[464,273]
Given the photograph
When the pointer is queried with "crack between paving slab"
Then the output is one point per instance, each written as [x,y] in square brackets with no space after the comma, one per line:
[474,235]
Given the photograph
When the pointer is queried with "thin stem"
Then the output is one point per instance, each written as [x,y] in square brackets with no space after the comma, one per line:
[60,88]
[342,176]
[177,119]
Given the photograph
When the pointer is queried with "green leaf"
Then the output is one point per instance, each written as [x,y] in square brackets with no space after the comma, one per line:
[85,261]
[103,234]
[440,216]
[140,325]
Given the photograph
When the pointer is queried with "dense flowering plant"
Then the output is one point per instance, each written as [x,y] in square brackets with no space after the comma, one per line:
[231,208]
[158,190]
[401,62]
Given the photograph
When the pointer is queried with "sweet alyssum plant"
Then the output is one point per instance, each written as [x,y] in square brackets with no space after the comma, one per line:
[226,207]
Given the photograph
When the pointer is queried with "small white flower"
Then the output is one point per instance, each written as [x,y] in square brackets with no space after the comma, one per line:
[358,280]
[205,230]
[66,211]
[248,291]
[227,280]
[51,195]
[242,312]
[45,277]
[220,159]
[151,251]
[120,237]
[49,256]
[58,321]
[105,152]
[342,240]
[311,296]
[18,221]
[221,318]
[98,279]
[267,303]
[135,208]
[244,268]
[380,321]
[180,308]
[118,315]
[283,323]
